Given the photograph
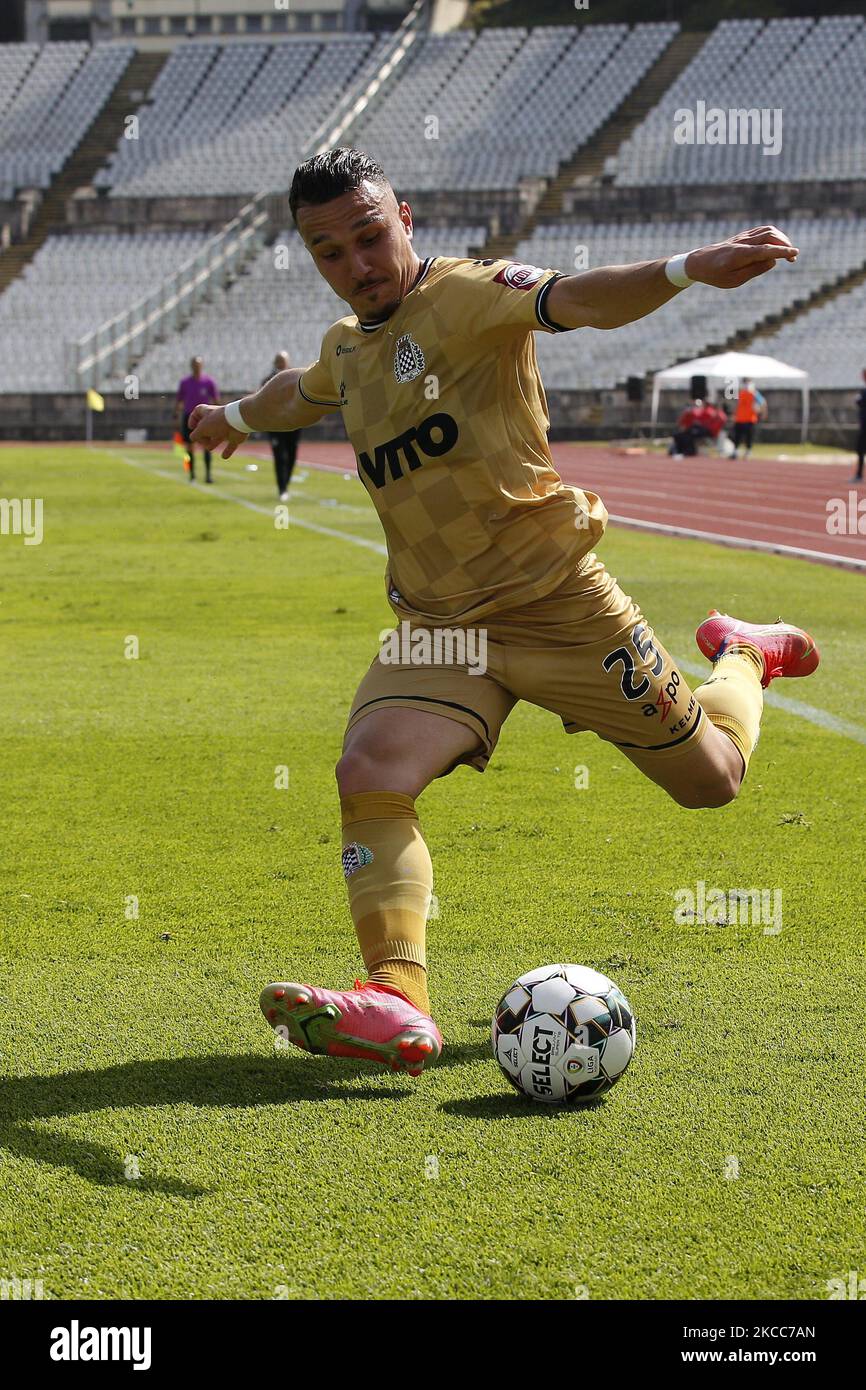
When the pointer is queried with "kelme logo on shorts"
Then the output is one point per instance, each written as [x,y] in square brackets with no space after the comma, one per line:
[354,857]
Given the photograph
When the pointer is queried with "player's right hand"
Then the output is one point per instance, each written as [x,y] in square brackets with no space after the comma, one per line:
[729,264]
[209,428]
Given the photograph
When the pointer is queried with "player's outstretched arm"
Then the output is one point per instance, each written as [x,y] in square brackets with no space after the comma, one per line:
[615,295]
[276,406]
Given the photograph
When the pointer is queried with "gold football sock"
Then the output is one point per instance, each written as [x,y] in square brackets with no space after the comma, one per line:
[732,697]
[390,880]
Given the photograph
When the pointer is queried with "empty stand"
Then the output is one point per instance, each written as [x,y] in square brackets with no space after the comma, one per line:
[50,105]
[812,70]
[510,104]
[463,110]
[699,318]
[73,284]
[236,118]
[826,341]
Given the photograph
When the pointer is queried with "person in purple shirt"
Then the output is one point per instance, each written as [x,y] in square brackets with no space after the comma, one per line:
[194,390]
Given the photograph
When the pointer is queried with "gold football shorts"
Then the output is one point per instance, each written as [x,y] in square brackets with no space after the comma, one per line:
[586,652]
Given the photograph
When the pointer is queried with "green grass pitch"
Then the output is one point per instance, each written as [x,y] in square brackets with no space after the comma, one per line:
[153,1143]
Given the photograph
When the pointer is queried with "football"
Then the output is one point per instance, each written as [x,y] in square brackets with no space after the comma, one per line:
[563,1034]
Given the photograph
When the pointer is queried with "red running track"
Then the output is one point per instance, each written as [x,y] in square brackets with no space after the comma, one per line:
[763,504]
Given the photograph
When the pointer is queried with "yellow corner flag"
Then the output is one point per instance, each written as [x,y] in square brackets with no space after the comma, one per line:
[94,400]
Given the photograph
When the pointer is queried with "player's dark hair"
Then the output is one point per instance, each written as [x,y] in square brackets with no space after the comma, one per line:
[327,176]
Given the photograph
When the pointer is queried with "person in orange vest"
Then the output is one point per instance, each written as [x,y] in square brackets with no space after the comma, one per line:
[751,407]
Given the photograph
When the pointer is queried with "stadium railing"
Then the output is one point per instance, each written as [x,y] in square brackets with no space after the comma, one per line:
[351,104]
[114,347]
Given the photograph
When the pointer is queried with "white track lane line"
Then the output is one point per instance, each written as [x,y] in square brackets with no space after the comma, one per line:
[798,708]
[827,557]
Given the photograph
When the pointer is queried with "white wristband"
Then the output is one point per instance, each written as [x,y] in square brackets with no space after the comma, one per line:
[235,419]
[675,270]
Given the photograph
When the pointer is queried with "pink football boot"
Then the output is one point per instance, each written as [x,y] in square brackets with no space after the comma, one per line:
[371,1021]
[787,650]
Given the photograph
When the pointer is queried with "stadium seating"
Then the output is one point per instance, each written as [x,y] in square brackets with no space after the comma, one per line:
[48,102]
[701,316]
[73,284]
[510,103]
[826,341]
[231,119]
[83,279]
[810,69]
[236,118]
[15,61]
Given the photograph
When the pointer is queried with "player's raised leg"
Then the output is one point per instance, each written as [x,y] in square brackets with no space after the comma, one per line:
[745,657]
[389,756]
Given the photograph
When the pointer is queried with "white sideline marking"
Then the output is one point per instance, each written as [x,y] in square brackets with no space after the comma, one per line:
[773,547]
[822,718]
[213,490]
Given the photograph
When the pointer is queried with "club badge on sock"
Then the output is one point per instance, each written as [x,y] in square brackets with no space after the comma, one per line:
[354,857]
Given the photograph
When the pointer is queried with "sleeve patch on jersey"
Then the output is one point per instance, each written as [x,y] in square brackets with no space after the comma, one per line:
[519,276]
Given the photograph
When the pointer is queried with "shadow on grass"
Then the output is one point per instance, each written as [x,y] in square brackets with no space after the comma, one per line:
[206,1082]
[513,1106]
[459,1054]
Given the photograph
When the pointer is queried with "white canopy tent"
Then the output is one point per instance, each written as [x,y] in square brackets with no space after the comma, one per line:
[732,367]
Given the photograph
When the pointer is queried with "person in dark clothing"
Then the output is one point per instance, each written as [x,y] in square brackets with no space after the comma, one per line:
[861,435]
[285,443]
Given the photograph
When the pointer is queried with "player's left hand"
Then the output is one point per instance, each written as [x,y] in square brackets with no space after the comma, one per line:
[731,263]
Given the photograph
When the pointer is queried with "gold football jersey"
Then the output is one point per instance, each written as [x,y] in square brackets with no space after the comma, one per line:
[444,407]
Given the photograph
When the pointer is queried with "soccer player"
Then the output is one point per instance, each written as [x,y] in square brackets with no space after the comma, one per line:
[436,377]
[192,391]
